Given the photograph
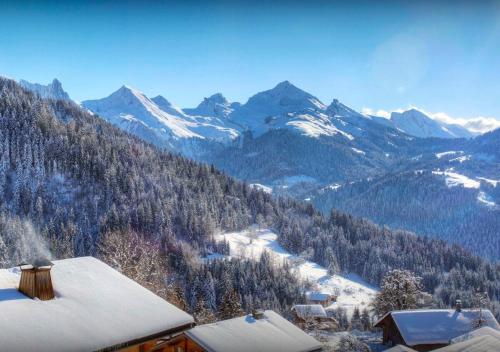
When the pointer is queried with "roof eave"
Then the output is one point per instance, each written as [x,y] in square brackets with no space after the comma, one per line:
[138,341]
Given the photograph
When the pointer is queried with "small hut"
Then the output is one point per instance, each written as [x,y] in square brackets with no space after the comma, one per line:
[429,329]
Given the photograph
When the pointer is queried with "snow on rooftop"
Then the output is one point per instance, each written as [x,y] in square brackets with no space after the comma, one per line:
[484,331]
[95,307]
[246,334]
[476,344]
[318,296]
[400,348]
[435,326]
[305,311]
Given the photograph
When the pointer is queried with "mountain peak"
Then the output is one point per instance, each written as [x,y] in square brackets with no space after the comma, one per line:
[160,99]
[336,108]
[217,98]
[53,90]
[215,105]
[167,106]
[285,84]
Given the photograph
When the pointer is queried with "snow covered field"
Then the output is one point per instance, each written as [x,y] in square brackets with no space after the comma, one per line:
[352,291]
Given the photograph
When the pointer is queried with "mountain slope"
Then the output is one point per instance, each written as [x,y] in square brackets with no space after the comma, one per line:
[452,194]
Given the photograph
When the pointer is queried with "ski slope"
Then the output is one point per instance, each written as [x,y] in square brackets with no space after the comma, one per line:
[351,290]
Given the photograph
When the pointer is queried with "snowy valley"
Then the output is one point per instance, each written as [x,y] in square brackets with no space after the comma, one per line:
[351,291]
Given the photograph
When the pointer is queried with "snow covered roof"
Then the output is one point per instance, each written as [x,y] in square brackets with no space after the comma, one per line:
[477,344]
[318,296]
[400,348]
[484,331]
[95,307]
[309,311]
[246,334]
[436,326]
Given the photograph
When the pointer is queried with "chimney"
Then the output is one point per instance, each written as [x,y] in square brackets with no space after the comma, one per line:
[458,305]
[35,279]
[257,314]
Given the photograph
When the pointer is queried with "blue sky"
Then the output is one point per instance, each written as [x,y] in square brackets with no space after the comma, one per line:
[384,55]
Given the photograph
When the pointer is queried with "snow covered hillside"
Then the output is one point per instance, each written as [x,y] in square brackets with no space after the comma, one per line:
[352,291]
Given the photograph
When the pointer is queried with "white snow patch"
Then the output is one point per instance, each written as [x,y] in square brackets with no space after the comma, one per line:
[261,187]
[454,179]
[485,199]
[461,159]
[333,186]
[451,152]
[494,183]
[359,151]
[351,290]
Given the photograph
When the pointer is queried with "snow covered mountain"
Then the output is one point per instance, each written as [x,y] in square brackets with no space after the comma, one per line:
[284,106]
[167,106]
[158,121]
[52,90]
[216,105]
[416,123]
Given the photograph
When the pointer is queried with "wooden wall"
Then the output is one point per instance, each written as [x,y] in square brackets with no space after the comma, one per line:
[179,343]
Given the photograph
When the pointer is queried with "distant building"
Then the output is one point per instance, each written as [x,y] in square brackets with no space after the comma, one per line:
[82,304]
[430,329]
[267,331]
[324,299]
[313,315]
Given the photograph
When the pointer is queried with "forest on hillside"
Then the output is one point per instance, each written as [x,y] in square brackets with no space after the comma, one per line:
[75,185]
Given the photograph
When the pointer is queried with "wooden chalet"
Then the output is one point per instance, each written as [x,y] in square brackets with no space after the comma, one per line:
[430,329]
[324,299]
[261,331]
[313,315]
[82,304]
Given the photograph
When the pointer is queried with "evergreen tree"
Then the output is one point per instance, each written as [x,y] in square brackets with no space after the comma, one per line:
[366,320]
[230,306]
[356,323]
[398,291]
[203,314]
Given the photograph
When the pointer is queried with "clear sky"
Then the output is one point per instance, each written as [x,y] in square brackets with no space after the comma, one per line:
[439,56]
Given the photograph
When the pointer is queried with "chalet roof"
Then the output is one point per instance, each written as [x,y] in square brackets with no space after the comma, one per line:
[476,344]
[318,296]
[436,326]
[95,307]
[400,348]
[484,331]
[246,334]
[309,311]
